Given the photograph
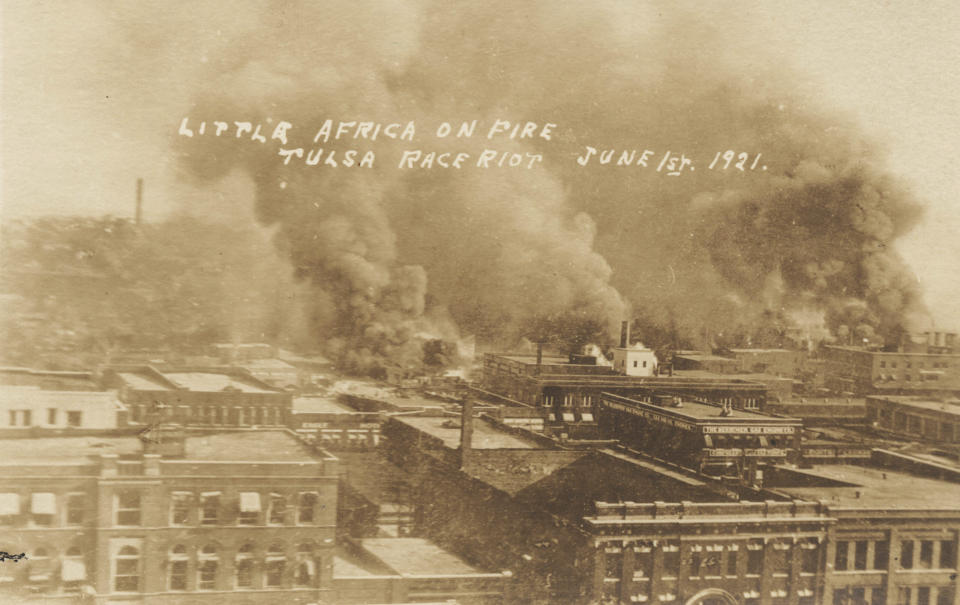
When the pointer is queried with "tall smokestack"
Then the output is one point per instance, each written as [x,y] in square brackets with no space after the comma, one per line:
[624,334]
[139,211]
[466,432]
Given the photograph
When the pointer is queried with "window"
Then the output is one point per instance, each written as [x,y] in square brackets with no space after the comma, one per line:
[881,554]
[809,556]
[948,554]
[696,561]
[906,554]
[244,566]
[43,508]
[278,507]
[209,508]
[754,558]
[27,418]
[51,415]
[74,570]
[878,596]
[207,563]
[903,595]
[126,570]
[180,508]
[945,595]
[178,567]
[306,507]
[9,507]
[613,564]
[74,419]
[305,566]
[128,508]
[276,562]
[671,561]
[39,566]
[76,508]
[635,363]
[923,595]
[249,508]
[860,555]
[840,560]
[732,563]
[926,554]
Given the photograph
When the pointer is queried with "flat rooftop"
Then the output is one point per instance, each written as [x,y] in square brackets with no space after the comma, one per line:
[869,487]
[213,382]
[951,407]
[545,360]
[485,436]
[702,412]
[321,404]
[246,446]
[416,556]
[36,398]
[143,382]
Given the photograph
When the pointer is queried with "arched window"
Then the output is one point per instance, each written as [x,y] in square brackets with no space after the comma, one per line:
[41,565]
[305,565]
[74,569]
[244,566]
[126,570]
[276,564]
[178,560]
[207,563]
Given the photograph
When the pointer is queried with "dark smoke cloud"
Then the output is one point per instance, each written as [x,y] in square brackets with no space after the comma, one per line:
[393,256]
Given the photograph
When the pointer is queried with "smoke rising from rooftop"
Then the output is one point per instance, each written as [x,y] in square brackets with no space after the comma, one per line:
[502,254]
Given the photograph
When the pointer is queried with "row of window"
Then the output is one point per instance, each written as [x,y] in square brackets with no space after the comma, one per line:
[908,364]
[209,414]
[906,595]
[207,508]
[715,561]
[855,555]
[74,418]
[247,569]
[42,510]
[186,508]
[40,569]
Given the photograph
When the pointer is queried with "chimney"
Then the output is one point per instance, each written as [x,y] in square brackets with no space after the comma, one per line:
[466,432]
[139,212]
[624,334]
[539,356]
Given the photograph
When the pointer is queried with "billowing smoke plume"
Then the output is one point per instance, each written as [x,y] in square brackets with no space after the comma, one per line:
[391,256]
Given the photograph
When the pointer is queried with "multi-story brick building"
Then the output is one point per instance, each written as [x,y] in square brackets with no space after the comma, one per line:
[179,518]
[570,390]
[863,371]
[916,417]
[198,396]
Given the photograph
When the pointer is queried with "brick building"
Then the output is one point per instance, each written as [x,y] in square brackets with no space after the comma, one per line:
[570,392]
[198,396]
[863,371]
[173,519]
[916,417]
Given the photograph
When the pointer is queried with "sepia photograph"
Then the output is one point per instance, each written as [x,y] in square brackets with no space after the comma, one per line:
[521,302]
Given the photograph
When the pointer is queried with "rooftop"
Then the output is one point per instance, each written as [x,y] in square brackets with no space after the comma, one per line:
[251,446]
[951,407]
[321,404]
[36,398]
[485,436]
[211,382]
[855,486]
[143,382]
[701,412]
[416,556]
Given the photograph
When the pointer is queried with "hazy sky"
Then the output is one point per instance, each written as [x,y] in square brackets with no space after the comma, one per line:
[92,93]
